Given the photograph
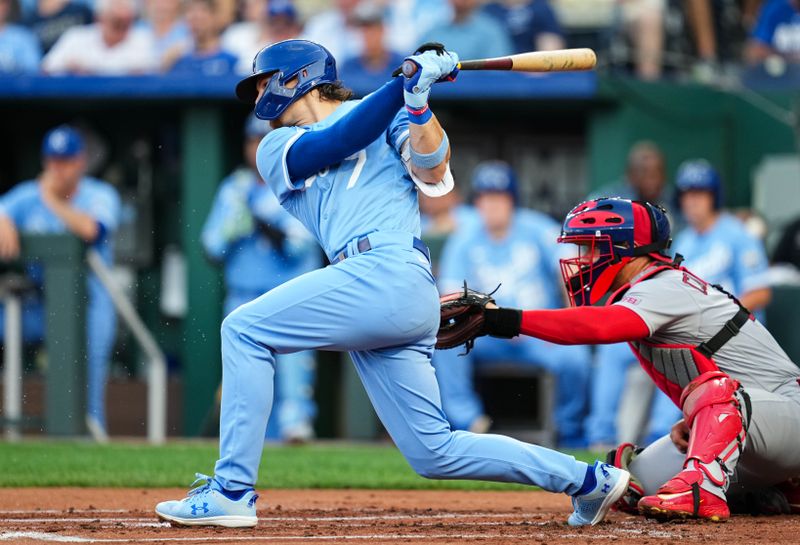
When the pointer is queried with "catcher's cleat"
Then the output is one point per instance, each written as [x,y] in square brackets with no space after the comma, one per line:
[591,508]
[621,457]
[208,505]
[791,490]
[683,498]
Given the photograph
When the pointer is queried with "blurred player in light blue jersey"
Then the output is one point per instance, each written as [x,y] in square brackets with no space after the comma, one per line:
[350,172]
[517,248]
[63,200]
[262,246]
[716,244]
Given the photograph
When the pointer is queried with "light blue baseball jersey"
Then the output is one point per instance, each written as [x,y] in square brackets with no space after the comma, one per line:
[23,204]
[526,262]
[369,191]
[726,254]
[230,234]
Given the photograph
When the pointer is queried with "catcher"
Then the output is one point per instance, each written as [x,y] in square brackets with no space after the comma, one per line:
[738,390]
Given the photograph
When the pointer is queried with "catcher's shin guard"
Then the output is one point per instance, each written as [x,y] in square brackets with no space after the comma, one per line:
[621,457]
[713,406]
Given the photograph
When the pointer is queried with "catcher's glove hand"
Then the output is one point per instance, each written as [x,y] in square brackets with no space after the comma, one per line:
[464,317]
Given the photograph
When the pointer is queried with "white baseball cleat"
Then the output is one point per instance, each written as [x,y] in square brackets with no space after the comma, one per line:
[591,508]
[208,505]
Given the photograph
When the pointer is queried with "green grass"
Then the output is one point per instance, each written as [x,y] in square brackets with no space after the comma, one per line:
[67,463]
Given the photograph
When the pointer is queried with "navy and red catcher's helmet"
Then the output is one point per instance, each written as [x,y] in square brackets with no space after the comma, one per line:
[309,62]
[609,232]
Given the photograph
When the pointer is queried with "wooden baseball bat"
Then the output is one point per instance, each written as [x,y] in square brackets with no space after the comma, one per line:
[559,60]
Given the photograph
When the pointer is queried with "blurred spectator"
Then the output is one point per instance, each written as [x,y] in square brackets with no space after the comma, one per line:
[64,200]
[206,57]
[111,46]
[531,24]
[777,32]
[408,20]
[700,16]
[261,247]
[643,20]
[335,30]
[52,18]
[19,48]
[645,177]
[163,19]
[471,33]
[788,248]
[517,248]
[375,60]
[264,24]
[716,245]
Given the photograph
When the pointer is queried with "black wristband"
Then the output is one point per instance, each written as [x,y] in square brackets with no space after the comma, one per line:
[502,322]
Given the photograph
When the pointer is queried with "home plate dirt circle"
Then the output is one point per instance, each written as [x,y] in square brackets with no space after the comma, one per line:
[101,515]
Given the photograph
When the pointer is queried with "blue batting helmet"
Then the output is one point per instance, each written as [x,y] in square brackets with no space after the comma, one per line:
[699,175]
[309,62]
[495,177]
[609,233]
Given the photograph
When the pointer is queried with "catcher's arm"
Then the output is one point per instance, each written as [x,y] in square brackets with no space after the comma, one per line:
[470,314]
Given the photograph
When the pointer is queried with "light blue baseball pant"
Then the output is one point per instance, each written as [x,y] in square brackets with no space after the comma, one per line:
[295,375]
[101,326]
[612,363]
[382,307]
[571,365]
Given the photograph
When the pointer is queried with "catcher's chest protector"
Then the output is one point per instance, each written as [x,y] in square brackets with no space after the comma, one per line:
[671,366]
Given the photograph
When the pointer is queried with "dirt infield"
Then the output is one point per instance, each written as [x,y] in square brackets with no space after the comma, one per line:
[70,515]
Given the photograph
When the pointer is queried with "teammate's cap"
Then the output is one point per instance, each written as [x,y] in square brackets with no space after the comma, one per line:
[368,12]
[282,8]
[494,177]
[62,141]
[255,127]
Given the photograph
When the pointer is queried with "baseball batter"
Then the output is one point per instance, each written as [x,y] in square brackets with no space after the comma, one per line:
[350,172]
[737,388]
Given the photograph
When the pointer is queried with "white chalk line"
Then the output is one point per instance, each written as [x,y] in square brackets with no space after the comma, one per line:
[366,518]
[57,511]
[42,536]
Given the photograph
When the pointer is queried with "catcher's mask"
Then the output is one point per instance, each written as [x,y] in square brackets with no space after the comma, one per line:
[608,233]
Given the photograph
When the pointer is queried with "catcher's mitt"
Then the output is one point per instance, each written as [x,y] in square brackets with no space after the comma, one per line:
[463,318]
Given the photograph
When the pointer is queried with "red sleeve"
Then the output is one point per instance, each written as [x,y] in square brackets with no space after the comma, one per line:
[584,325]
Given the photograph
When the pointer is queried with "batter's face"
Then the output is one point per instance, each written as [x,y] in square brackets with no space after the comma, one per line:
[290,115]
[698,207]
[496,210]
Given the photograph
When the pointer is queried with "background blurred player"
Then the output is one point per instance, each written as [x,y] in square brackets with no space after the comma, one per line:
[517,249]
[717,246]
[738,390]
[64,200]
[262,246]
[350,171]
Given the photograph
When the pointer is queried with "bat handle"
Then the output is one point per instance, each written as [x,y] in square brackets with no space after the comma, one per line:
[409,68]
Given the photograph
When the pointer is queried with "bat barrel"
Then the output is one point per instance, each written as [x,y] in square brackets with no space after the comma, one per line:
[560,60]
